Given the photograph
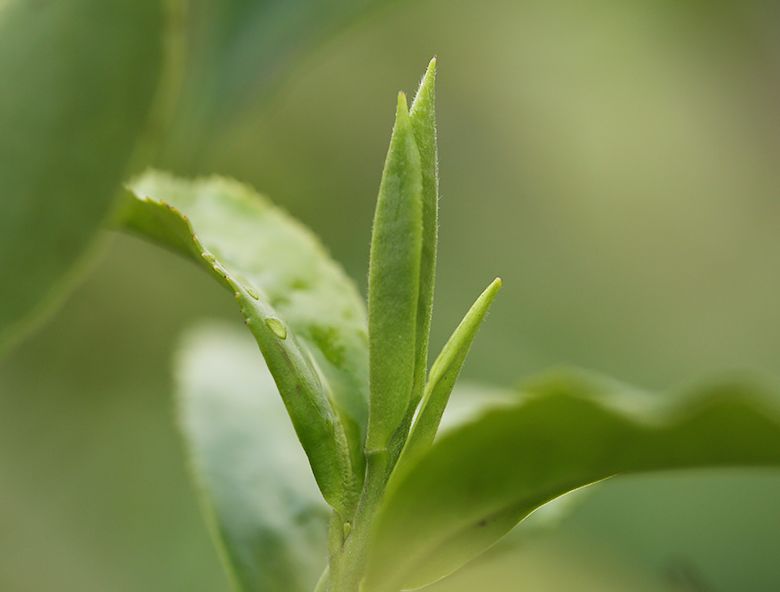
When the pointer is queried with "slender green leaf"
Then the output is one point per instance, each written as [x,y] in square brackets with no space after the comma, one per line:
[445,372]
[305,314]
[568,431]
[256,486]
[393,283]
[79,82]
[423,118]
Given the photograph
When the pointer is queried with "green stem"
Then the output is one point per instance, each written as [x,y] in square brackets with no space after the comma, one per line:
[348,565]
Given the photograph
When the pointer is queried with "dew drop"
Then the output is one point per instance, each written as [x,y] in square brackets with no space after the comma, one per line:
[276,326]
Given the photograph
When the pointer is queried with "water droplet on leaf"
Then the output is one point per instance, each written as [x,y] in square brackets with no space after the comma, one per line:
[277,327]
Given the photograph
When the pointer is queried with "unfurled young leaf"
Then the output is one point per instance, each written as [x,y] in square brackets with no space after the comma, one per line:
[305,314]
[79,82]
[255,483]
[445,372]
[393,284]
[423,118]
[480,479]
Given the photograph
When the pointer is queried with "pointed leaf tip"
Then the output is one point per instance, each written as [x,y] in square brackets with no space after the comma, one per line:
[430,72]
[426,90]
[402,110]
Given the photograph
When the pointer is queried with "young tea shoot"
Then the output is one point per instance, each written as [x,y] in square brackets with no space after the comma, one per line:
[383,495]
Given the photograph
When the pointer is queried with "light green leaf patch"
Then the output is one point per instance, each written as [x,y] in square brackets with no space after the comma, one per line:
[305,314]
[567,431]
[256,486]
[79,79]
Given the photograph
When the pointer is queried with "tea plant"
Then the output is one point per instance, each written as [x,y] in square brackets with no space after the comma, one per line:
[400,505]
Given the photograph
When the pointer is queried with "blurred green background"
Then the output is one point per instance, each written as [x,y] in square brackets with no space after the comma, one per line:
[615,162]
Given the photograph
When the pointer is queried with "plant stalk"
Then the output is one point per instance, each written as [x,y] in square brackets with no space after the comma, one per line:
[348,563]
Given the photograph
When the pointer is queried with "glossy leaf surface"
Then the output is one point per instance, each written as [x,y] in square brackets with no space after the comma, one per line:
[255,483]
[305,314]
[564,432]
[79,83]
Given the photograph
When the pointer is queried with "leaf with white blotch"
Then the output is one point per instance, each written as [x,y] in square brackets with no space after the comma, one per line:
[564,432]
[305,314]
[257,490]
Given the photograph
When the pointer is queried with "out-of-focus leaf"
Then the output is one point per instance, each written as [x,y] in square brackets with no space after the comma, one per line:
[240,49]
[393,284]
[469,400]
[79,82]
[539,563]
[257,490]
[445,372]
[305,314]
[568,431]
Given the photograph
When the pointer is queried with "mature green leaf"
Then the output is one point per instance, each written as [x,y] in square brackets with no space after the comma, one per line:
[567,431]
[393,283]
[445,372]
[79,82]
[256,487]
[305,314]
[423,118]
